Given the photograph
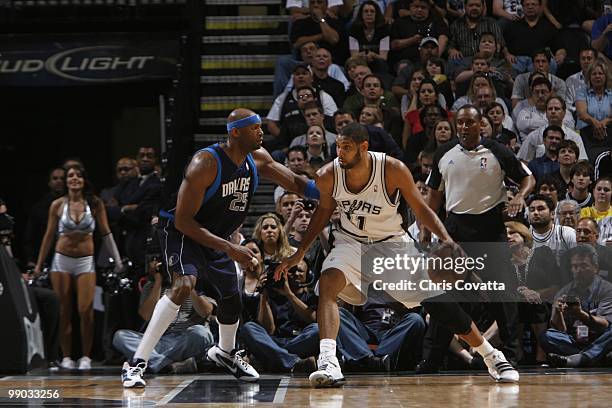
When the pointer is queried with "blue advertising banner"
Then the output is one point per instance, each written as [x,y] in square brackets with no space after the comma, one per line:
[85,60]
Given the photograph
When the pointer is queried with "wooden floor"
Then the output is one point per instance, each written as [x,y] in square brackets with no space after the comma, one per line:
[538,388]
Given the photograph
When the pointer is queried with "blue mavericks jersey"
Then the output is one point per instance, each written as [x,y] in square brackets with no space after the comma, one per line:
[226,201]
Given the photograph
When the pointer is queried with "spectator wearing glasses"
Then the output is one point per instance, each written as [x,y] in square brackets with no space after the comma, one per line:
[588,231]
[314,116]
[568,212]
[286,104]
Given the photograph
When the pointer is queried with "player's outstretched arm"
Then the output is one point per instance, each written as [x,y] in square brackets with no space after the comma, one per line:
[401,178]
[199,177]
[281,175]
[319,220]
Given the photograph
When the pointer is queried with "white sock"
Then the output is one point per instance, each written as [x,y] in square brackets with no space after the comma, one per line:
[164,313]
[485,348]
[227,336]
[327,348]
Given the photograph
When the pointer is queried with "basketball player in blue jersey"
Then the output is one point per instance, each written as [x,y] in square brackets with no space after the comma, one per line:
[366,187]
[212,202]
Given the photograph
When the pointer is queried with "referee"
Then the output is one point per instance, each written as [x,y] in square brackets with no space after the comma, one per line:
[470,173]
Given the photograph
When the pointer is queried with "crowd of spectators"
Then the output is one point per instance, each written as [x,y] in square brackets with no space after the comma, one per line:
[402,69]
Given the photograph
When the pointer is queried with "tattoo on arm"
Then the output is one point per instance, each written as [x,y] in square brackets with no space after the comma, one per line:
[208,162]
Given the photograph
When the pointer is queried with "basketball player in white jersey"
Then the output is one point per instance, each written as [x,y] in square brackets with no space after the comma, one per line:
[366,186]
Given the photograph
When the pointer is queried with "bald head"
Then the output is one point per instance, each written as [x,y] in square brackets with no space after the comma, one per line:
[239,113]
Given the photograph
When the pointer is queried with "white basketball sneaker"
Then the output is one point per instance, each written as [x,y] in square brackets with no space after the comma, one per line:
[328,375]
[131,376]
[499,368]
[84,363]
[233,363]
[67,363]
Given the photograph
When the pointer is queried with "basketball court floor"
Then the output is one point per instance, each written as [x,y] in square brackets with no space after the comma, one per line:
[101,387]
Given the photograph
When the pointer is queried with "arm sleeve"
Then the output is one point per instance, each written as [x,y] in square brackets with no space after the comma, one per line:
[353,44]
[581,93]
[434,180]
[527,152]
[385,44]
[511,166]
[275,110]
[111,246]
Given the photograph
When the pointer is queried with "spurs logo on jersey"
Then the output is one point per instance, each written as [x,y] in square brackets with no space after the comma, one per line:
[370,214]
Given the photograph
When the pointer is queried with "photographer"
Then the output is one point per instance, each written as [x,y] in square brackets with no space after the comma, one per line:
[185,340]
[285,336]
[581,334]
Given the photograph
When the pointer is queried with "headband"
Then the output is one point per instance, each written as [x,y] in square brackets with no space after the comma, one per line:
[238,124]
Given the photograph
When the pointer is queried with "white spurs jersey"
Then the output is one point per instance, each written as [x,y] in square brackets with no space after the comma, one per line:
[370,215]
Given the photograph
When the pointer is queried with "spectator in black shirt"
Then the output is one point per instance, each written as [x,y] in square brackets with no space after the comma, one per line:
[465,32]
[537,275]
[428,116]
[532,33]
[321,28]
[402,85]
[369,37]
[285,336]
[37,222]
[407,32]
[250,281]
[581,178]
[380,140]
[321,78]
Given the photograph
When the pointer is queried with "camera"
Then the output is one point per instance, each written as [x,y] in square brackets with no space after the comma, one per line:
[270,267]
[40,281]
[115,283]
[572,300]
[309,205]
[153,256]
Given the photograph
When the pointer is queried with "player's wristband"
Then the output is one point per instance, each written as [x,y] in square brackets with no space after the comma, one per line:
[311,191]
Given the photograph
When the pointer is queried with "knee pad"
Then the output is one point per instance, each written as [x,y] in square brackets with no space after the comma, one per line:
[229,309]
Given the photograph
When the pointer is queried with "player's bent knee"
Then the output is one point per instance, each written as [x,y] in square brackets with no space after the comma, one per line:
[331,283]
[229,309]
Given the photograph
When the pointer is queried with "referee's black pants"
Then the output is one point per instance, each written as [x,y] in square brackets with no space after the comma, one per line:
[448,317]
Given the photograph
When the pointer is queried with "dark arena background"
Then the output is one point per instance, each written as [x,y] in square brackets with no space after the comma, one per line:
[130,89]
